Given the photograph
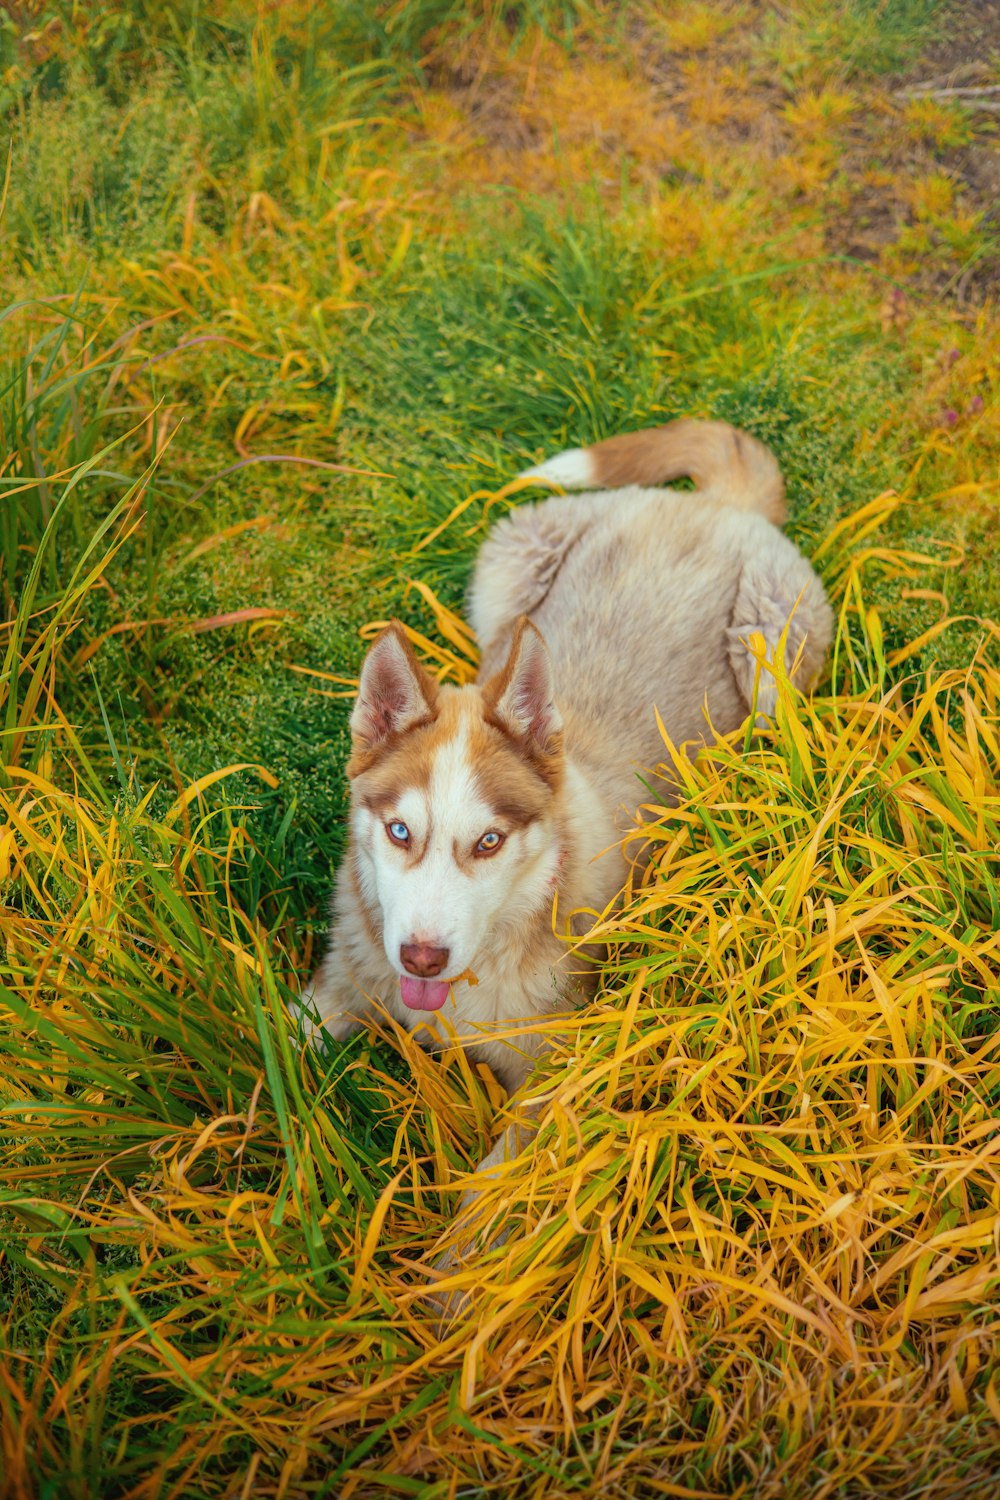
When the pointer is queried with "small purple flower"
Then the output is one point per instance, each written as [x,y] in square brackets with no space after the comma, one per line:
[952,356]
[948,418]
[975,406]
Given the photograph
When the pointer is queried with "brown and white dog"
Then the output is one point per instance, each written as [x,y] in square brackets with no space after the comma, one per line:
[475,808]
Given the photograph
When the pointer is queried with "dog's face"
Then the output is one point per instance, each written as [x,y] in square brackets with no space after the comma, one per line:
[454,794]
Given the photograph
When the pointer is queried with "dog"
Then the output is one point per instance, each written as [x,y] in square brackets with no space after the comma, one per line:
[478,811]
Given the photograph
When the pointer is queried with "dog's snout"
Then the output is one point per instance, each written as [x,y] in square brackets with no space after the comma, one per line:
[422,959]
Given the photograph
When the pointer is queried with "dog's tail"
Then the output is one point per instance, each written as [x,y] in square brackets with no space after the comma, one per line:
[728,467]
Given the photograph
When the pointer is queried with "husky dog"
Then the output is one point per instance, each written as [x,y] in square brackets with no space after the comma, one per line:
[475,809]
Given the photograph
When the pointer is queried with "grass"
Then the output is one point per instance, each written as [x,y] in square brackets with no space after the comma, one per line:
[285,288]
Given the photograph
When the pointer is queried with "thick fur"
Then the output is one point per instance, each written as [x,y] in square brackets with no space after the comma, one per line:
[591,610]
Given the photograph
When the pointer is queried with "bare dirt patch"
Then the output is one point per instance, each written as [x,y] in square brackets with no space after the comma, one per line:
[901,172]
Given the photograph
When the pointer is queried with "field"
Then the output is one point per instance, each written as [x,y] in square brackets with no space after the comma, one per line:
[291,292]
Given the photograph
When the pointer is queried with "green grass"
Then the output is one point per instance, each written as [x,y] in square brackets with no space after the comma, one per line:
[283,289]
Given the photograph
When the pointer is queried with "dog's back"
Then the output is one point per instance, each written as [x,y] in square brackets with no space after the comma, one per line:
[646,597]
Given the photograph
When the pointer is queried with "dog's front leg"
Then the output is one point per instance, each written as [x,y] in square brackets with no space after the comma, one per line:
[517,1137]
[331,1003]
[514,1139]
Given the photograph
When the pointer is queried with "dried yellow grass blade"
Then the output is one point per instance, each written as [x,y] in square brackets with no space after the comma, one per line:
[211,778]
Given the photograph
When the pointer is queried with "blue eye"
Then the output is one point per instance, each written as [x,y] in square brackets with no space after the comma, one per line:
[489,843]
[398,832]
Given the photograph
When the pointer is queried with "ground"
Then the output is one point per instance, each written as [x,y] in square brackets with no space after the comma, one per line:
[292,292]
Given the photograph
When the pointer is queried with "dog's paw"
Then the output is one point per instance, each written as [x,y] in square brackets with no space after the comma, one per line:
[326,1011]
[306,1025]
[452,1303]
[448,1303]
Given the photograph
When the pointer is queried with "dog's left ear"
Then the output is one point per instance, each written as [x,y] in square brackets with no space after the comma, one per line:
[520,698]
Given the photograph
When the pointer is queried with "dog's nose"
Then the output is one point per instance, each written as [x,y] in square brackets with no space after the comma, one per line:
[422,959]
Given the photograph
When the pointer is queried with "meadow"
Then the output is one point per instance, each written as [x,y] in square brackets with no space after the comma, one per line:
[290,293]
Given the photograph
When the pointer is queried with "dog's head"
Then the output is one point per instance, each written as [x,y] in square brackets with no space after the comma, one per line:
[454,800]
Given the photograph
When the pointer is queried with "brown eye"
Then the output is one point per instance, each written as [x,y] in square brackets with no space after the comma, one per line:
[489,843]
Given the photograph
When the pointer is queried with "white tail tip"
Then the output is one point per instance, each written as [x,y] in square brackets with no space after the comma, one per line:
[572,469]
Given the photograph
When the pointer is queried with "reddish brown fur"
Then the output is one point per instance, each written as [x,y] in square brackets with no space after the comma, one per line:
[365,752]
[545,760]
[724,464]
[406,760]
[513,786]
[516,793]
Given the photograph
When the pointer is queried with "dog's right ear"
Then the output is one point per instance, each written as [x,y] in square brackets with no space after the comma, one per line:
[395,694]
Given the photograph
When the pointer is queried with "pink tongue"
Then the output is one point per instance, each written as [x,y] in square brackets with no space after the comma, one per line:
[423,994]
